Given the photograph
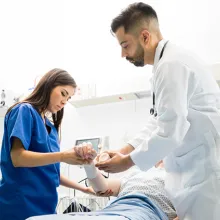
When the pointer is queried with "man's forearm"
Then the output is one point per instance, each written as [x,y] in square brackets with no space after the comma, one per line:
[127,149]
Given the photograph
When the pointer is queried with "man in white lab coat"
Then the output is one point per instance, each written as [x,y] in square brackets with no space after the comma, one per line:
[185,125]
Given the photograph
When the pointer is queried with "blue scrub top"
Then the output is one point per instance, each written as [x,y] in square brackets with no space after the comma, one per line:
[26,192]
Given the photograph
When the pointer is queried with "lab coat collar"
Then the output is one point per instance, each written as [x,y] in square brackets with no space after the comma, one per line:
[158,51]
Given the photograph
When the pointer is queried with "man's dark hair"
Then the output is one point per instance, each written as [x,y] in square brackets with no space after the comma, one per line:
[134,16]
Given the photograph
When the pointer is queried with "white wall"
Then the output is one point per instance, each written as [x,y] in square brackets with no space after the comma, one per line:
[39,35]
[114,119]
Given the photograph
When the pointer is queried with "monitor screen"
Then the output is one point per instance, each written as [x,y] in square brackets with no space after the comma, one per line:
[95,142]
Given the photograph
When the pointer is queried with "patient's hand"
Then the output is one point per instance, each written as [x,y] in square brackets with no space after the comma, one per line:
[104,152]
[85,150]
[176,218]
[102,157]
[107,193]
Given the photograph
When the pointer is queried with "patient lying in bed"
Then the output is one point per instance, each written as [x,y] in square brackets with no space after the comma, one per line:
[140,195]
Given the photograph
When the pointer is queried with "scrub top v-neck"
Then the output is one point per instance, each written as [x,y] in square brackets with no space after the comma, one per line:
[26,192]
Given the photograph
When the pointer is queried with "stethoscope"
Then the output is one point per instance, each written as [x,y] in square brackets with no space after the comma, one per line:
[153,110]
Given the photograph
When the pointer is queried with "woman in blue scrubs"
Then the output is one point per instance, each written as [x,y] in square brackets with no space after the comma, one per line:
[30,155]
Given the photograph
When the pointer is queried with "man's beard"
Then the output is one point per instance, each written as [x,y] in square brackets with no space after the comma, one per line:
[139,59]
[139,63]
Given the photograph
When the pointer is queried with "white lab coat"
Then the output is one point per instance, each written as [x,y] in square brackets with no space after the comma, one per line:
[186,133]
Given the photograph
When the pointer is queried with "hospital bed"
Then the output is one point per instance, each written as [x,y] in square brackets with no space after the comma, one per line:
[134,206]
[83,203]
[70,217]
[74,206]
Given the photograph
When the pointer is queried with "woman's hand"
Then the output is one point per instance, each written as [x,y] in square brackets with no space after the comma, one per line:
[176,218]
[85,151]
[107,193]
[71,157]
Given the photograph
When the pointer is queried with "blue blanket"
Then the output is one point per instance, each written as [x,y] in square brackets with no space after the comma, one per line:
[133,206]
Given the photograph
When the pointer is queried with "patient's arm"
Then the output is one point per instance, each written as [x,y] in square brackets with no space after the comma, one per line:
[99,183]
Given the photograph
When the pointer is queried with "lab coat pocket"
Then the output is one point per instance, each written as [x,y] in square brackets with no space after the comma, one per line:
[192,167]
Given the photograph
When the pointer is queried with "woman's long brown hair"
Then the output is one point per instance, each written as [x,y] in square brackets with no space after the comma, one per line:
[40,97]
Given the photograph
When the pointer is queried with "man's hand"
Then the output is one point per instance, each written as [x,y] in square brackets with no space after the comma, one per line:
[117,163]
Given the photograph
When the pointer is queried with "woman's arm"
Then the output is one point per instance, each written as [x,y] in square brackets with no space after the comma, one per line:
[74,185]
[24,158]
